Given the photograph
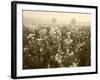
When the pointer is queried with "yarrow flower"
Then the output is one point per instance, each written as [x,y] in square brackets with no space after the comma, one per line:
[42,32]
[30,35]
[68,41]
[58,58]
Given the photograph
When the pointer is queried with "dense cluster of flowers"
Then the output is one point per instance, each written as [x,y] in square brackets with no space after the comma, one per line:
[51,46]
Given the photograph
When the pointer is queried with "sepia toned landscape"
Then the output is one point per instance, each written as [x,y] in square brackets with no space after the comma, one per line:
[56,39]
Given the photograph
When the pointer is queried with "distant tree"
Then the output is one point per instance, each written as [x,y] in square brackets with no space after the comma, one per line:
[73,21]
[54,20]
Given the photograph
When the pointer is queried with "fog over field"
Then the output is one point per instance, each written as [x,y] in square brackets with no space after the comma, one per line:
[35,17]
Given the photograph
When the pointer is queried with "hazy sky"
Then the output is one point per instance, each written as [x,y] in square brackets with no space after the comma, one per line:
[30,17]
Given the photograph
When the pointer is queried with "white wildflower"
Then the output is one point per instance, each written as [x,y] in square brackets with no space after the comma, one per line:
[58,58]
[71,54]
[29,55]
[41,49]
[25,49]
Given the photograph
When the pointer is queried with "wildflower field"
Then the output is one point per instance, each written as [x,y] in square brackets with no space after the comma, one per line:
[54,46]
